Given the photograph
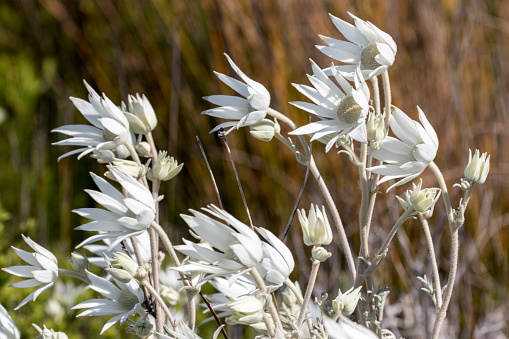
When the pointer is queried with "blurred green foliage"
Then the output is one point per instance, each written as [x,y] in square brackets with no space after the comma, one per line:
[452,61]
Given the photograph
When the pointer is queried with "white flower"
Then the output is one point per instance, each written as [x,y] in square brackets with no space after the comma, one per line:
[143,327]
[421,200]
[185,332]
[264,130]
[244,111]
[8,329]
[342,109]
[123,217]
[48,333]
[42,270]
[236,248]
[110,128]
[315,227]
[123,302]
[347,302]
[410,155]
[227,291]
[248,310]
[63,297]
[478,167]
[141,115]
[376,130]
[368,47]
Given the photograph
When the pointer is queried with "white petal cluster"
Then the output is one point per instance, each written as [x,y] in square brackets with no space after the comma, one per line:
[109,130]
[420,200]
[42,269]
[367,47]
[227,292]
[342,110]
[124,216]
[478,167]
[248,310]
[165,168]
[346,303]
[235,248]
[48,333]
[277,262]
[8,329]
[184,332]
[407,157]
[315,227]
[344,328]
[141,115]
[245,111]
[122,301]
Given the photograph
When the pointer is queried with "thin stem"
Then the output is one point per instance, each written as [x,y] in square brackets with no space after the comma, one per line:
[210,172]
[153,148]
[136,159]
[450,285]
[136,249]
[387,98]
[395,228]
[445,192]
[223,136]
[270,330]
[74,274]
[295,291]
[309,292]
[191,307]
[166,242]
[156,295]
[433,260]
[376,93]
[272,309]
[155,275]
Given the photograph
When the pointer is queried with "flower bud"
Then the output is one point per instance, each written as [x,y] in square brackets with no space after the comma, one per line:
[246,310]
[265,129]
[165,168]
[78,262]
[420,200]
[103,156]
[125,262]
[141,115]
[320,254]
[120,274]
[315,228]
[128,167]
[376,130]
[143,149]
[347,302]
[143,327]
[478,167]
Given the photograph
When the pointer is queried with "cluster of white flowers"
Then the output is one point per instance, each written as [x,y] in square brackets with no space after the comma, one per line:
[247,264]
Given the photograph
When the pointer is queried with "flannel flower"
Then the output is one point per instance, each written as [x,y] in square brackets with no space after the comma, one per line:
[245,111]
[124,216]
[42,269]
[235,249]
[342,110]
[8,329]
[368,48]
[123,301]
[408,157]
[110,130]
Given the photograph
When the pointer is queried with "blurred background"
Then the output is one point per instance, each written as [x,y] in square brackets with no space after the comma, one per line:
[452,61]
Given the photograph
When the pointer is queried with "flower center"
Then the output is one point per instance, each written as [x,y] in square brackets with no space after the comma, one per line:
[368,57]
[348,110]
[108,136]
[127,299]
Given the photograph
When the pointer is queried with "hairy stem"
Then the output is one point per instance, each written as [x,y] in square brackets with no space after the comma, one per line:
[395,228]
[309,292]
[445,192]
[74,274]
[272,308]
[432,259]
[387,98]
[160,301]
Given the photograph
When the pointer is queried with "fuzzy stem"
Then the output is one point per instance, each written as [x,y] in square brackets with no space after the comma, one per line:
[433,260]
[272,309]
[309,292]
[160,301]
[153,148]
[445,192]
[74,274]
[300,300]
[387,98]
[376,93]
[325,192]
[166,242]
[395,228]
[450,285]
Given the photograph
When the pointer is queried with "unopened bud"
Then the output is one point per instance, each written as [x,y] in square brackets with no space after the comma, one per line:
[478,167]
[265,129]
[376,130]
[420,200]
[347,302]
[165,168]
[143,149]
[320,254]
[315,227]
[78,262]
[141,115]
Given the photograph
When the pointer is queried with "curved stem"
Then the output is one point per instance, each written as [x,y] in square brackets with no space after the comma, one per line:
[395,228]
[160,301]
[309,291]
[433,260]
[300,300]
[450,285]
[272,309]
[74,274]
[153,148]
[325,192]
[166,242]
[445,192]
[136,158]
